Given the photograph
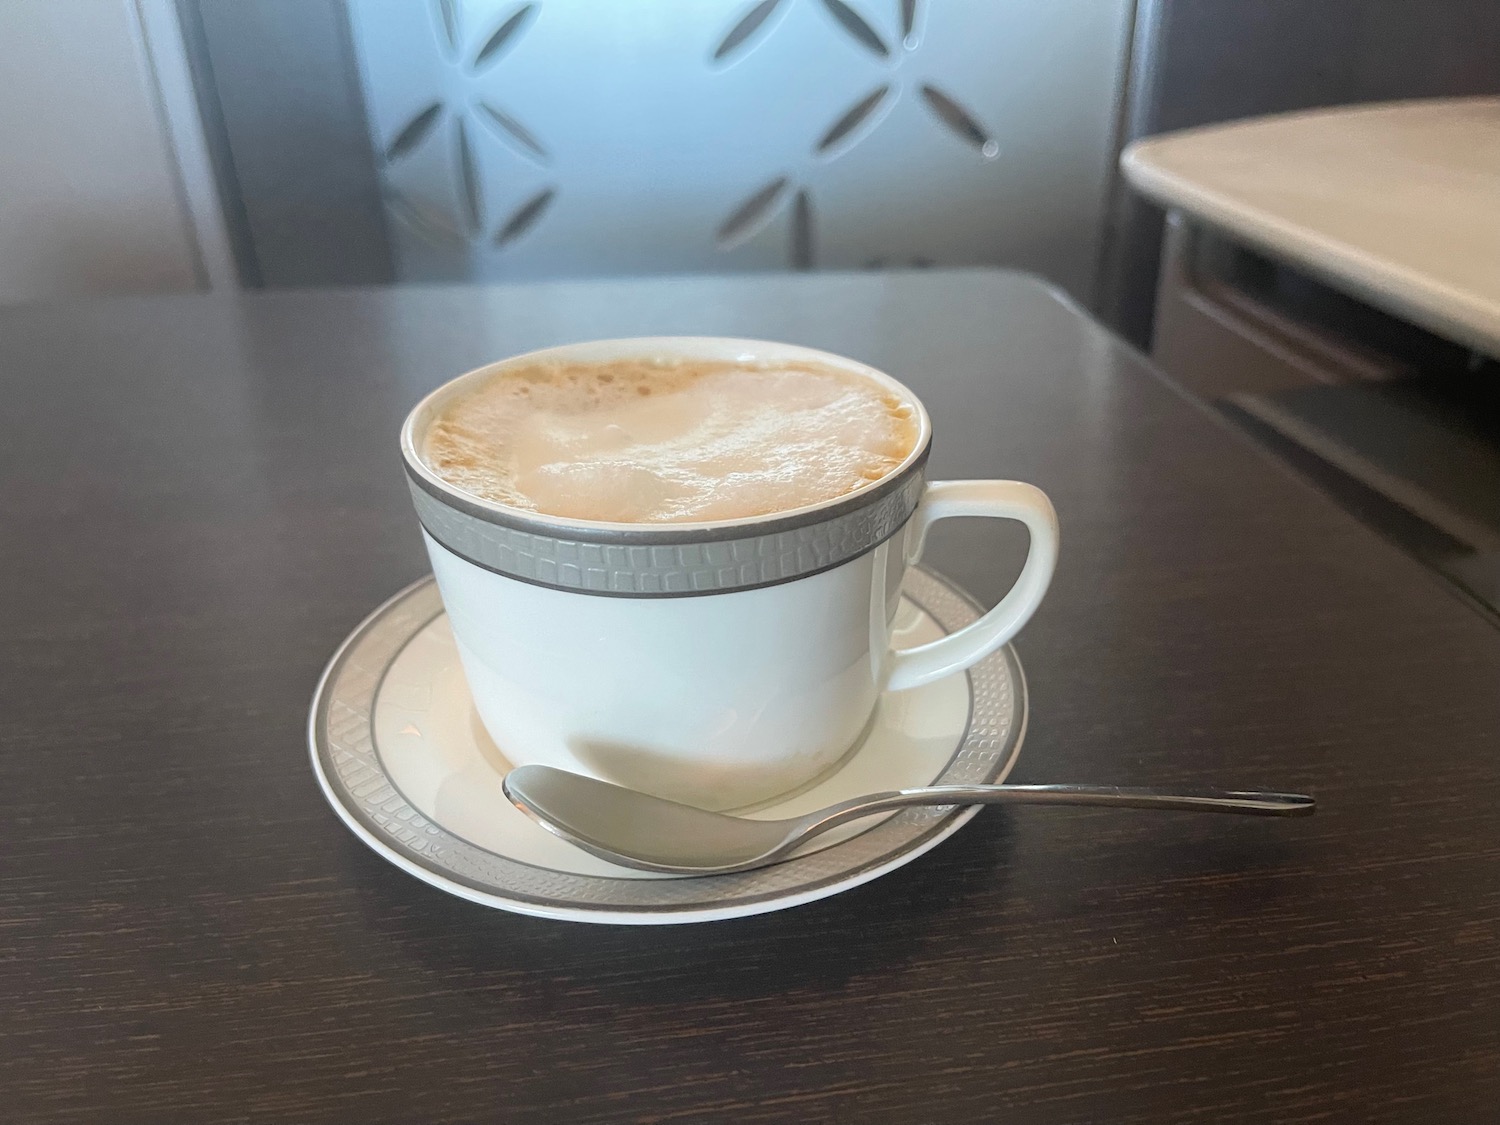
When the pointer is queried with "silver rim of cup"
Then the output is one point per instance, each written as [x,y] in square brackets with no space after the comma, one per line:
[663,560]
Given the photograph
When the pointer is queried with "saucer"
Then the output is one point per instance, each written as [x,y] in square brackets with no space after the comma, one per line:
[404,761]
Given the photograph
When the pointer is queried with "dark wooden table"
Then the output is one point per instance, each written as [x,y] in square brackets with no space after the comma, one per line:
[201,496]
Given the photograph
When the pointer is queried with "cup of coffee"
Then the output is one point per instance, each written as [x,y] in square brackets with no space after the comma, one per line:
[674,563]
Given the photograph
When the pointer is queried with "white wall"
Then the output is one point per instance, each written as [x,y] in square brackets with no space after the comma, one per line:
[91,197]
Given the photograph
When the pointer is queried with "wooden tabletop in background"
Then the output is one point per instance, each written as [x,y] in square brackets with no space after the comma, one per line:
[201,496]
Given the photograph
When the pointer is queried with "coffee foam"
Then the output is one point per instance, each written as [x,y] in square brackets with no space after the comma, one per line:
[643,441]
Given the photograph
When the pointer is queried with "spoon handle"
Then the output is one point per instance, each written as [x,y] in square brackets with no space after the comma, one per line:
[1188,800]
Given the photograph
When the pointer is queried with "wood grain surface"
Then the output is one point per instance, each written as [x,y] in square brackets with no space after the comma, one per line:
[201,496]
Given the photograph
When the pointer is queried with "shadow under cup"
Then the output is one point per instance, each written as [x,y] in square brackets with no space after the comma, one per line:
[720,663]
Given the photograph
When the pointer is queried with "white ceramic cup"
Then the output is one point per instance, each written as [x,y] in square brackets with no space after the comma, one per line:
[718,663]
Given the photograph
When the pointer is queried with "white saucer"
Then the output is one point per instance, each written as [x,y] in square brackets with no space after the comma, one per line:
[405,763]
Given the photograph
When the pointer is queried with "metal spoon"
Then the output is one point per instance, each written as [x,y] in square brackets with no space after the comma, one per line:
[637,830]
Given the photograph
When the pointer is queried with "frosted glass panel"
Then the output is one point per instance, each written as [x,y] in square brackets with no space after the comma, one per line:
[584,137]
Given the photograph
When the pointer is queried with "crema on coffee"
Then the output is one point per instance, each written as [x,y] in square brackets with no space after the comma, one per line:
[659,441]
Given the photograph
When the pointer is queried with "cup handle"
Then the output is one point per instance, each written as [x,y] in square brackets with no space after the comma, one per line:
[1006,499]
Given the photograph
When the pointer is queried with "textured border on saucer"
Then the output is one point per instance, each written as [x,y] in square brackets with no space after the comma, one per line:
[348,767]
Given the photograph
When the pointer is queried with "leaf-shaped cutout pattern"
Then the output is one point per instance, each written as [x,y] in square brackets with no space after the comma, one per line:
[908,20]
[414,131]
[422,220]
[751,215]
[749,24]
[508,129]
[802,233]
[503,35]
[953,115]
[852,119]
[526,217]
[852,22]
[470,191]
[448,20]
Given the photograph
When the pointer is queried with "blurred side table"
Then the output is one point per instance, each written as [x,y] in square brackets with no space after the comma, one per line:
[1331,280]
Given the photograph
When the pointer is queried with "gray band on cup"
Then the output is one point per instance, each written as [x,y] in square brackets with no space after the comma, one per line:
[654,561]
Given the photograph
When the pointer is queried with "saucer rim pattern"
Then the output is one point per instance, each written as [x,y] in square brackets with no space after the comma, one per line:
[347,764]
